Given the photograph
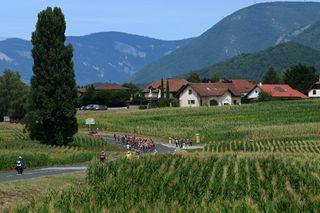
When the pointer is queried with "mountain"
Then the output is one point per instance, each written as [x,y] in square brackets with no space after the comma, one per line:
[248,30]
[253,66]
[99,57]
[309,36]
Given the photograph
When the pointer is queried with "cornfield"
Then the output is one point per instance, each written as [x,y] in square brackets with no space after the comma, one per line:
[171,183]
[274,146]
[283,120]
[13,143]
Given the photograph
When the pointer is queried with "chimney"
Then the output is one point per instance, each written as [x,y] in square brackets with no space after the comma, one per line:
[260,84]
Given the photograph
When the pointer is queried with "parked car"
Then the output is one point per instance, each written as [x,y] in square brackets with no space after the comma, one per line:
[84,107]
[94,107]
[103,107]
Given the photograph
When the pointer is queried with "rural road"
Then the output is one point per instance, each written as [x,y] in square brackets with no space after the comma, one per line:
[34,173]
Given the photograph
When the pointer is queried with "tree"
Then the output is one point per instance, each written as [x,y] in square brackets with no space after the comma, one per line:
[167,90]
[89,96]
[53,95]
[135,91]
[194,78]
[13,95]
[300,77]
[206,80]
[216,77]
[271,77]
[161,89]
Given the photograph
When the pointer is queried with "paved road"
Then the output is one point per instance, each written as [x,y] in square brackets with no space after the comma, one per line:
[10,176]
[159,147]
[34,173]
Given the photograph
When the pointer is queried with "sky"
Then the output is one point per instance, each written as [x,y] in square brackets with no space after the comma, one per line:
[162,19]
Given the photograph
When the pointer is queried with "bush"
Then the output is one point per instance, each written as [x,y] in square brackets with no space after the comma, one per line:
[171,102]
[264,96]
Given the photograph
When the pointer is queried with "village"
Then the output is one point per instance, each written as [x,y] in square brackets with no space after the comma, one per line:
[221,93]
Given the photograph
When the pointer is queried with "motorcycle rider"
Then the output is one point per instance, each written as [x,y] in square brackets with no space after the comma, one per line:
[20,165]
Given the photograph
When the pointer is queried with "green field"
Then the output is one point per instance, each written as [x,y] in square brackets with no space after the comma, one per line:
[283,120]
[173,183]
[257,158]
[13,142]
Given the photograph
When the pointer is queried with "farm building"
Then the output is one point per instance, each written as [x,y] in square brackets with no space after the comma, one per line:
[209,94]
[153,90]
[314,91]
[277,91]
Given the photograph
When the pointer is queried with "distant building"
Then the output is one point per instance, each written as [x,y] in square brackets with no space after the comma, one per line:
[104,87]
[153,90]
[209,94]
[243,86]
[314,91]
[277,91]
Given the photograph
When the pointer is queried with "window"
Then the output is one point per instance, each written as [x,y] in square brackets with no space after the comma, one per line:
[280,89]
[190,91]
[314,92]
[191,102]
[234,102]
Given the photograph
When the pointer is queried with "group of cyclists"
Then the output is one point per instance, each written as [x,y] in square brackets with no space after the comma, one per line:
[145,145]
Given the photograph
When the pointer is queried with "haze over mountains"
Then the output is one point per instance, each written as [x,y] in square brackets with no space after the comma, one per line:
[248,30]
[99,57]
[119,57]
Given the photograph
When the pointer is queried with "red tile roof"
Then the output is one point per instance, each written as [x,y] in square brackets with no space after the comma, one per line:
[174,85]
[82,90]
[244,86]
[214,89]
[111,87]
[281,91]
[315,86]
[105,87]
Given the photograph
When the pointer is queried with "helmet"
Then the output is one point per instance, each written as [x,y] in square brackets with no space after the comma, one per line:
[20,157]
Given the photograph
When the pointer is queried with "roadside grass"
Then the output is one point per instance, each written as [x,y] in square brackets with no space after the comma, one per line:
[279,120]
[23,192]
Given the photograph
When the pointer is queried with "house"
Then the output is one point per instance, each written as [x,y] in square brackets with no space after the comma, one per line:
[113,87]
[243,86]
[314,91]
[153,90]
[277,91]
[209,94]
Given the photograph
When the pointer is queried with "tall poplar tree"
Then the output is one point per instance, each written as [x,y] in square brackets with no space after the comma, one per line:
[51,114]
[167,90]
[161,89]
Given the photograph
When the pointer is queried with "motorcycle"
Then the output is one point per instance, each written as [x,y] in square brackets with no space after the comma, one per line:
[19,167]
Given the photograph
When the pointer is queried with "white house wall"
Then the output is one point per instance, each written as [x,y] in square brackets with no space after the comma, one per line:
[185,97]
[317,95]
[254,94]
[151,95]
